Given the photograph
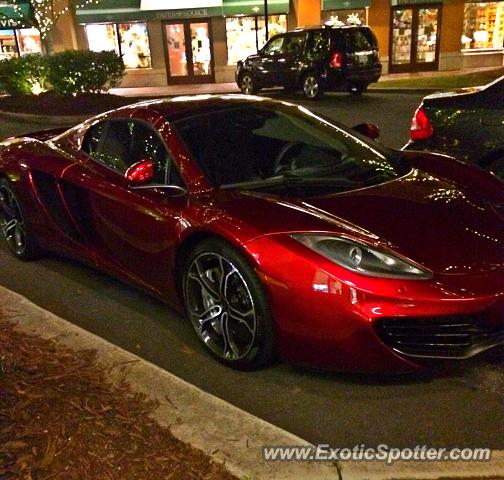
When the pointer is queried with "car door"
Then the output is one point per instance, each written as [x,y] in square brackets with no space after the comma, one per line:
[269,66]
[288,60]
[133,230]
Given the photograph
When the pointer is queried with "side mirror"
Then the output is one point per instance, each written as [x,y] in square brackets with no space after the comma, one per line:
[370,130]
[140,173]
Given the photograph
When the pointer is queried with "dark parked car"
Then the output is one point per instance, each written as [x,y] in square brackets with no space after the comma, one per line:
[278,230]
[467,123]
[314,59]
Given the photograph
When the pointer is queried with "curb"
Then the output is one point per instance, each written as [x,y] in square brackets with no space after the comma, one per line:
[229,434]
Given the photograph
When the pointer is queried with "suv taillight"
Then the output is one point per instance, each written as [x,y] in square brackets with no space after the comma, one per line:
[420,126]
[336,60]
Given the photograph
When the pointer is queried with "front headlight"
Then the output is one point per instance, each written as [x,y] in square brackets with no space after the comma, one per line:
[361,258]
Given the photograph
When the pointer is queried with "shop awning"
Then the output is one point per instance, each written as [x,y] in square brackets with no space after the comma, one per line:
[11,17]
[131,10]
[254,7]
[344,4]
[110,11]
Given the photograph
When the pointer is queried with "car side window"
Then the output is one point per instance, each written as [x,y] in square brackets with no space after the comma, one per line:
[274,46]
[317,44]
[119,144]
[360,41]
[294,44]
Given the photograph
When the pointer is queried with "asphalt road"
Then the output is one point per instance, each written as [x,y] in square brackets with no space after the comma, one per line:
[456,405]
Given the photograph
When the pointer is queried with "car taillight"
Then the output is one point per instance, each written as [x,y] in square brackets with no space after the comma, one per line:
[420,126]
[336,60]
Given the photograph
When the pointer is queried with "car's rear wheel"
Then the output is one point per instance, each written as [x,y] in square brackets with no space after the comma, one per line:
[248,85]
[497,168]
[15,229]
[312,86]
[227,306]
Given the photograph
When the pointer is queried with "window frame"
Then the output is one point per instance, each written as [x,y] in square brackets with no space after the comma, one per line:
[170,163]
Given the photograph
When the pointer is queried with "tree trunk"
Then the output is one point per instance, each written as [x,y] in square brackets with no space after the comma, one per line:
[47,43]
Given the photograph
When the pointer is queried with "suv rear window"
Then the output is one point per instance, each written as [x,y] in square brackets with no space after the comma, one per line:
[360,40]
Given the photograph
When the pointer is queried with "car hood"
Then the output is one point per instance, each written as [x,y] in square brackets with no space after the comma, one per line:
[430,220]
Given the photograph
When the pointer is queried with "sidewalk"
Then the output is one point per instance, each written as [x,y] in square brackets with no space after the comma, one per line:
[225,88]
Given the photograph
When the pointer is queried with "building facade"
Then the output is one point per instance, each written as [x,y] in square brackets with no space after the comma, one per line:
[199,41]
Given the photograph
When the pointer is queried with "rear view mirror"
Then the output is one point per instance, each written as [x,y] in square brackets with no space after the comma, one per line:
[370,130]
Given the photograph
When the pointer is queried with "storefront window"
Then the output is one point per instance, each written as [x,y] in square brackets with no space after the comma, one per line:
[401,35]
[127,39]
[29,41]
[19,42]
[246,35]
[135,45]
[102,37]
[344,17]
[483,25]
[427,34]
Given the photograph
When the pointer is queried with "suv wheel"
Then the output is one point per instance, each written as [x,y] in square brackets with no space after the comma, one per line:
[357,88]
[312,86]
[248,84]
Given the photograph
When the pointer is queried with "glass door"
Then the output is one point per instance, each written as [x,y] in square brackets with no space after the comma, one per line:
[414,43]
[188,50]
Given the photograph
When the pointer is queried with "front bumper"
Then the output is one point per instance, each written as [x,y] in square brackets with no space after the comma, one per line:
[330,318]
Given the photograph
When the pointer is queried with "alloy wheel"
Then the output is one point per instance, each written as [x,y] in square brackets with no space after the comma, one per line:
[221,306]
[247,84]
[12,223]
[311,87]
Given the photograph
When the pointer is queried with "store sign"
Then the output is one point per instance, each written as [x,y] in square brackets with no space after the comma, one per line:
[10,16]
[178,4]
[396,3]
[195,12]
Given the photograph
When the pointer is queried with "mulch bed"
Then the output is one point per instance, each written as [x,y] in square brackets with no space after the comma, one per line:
[51,104]
[61,419]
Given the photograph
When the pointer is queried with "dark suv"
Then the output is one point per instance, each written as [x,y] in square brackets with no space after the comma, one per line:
[314,59]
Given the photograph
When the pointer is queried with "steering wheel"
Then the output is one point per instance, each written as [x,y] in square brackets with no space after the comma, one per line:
[281,164]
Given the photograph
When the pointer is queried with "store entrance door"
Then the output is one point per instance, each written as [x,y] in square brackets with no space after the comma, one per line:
[188,50]
[414,42]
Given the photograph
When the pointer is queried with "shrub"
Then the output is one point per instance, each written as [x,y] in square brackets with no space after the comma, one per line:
[24,75]
[83,71]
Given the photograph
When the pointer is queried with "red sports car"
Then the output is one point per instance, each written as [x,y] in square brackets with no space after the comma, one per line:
[278,230]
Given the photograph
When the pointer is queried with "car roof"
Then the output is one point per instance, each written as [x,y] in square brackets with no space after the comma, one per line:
[179,108]
[327,27]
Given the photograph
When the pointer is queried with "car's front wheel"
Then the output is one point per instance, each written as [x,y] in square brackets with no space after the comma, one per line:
[227,305]
[312,86]
[14,227]
[248,85]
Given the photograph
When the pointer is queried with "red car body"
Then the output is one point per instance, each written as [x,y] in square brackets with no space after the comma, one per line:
[443,215]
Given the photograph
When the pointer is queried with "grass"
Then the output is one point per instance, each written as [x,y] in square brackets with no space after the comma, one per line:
[443,81]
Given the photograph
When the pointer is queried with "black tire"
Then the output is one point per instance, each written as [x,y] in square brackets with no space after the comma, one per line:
[312,86]
[497,168]
[357,88]
[15,229]
[227,306]
[247,84]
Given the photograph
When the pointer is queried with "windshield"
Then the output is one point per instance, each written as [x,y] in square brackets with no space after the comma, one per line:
[281,146]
